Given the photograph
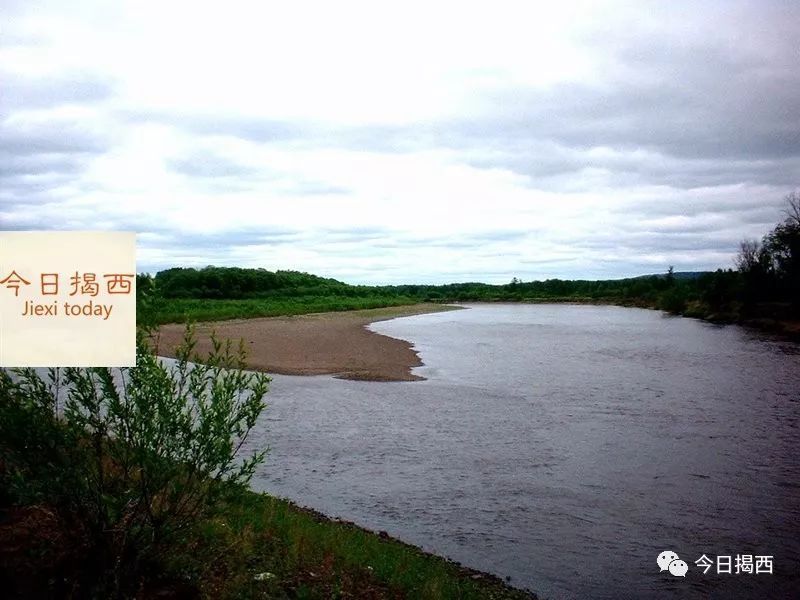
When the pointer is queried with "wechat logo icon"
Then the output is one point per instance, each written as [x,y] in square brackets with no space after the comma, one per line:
[669,561]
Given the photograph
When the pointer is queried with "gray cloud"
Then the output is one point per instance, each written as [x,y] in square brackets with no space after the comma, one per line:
[27,93]
[472,240]
[254,129]
[658,242]
[716,111]
[705,116]
[205,242]
[37,159]
[14,165]
[209,164]
[549,165]
[212,171]
[355,234]
[50,136]
[730,208]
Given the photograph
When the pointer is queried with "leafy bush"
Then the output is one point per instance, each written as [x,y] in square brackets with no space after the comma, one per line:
[134,455]
[36,451]
[673,300]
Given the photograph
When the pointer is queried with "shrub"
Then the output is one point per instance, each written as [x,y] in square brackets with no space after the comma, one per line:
[136,455]
[673,300]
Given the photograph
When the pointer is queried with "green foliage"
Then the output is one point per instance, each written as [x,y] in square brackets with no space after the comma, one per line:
[36,450]
[237,283]
[770,269]
[645,291]
[673,300]
[135,455]
[331,559]
[719,290]
[188,310]
[149,302]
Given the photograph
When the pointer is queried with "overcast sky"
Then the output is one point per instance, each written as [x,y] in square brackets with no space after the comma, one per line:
[404,142]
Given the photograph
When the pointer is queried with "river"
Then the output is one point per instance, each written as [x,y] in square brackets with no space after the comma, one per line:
[562,446]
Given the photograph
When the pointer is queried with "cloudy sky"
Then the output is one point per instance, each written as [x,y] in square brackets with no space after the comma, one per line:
[404,142]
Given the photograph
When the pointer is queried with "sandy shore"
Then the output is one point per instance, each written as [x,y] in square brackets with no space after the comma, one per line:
[335,343]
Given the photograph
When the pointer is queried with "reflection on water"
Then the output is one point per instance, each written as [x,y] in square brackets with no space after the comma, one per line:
[563,446]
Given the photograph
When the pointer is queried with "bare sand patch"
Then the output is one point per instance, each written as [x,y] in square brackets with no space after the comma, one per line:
[333,343]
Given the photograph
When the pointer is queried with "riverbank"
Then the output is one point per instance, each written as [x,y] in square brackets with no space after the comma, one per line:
[259,546]
[772,318]
[331,343]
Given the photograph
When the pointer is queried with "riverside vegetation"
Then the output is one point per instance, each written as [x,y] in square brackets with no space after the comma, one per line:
[763,289]
[131,484]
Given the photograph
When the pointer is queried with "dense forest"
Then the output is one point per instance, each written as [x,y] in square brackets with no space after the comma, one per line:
[764,286]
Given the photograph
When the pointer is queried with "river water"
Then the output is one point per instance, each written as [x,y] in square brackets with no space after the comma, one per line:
[562,446]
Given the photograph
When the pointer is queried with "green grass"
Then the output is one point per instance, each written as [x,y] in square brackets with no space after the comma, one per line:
[301,553]
[183,310]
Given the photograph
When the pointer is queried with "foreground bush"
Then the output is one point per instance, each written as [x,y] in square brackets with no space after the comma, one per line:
[131,458]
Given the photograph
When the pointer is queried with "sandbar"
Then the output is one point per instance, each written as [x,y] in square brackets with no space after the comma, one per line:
[331,343]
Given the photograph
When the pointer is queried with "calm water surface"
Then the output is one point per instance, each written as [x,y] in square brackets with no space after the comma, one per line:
[562,446]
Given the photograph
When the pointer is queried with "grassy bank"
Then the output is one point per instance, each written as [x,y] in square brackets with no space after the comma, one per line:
[188,310]
[256,547]
[285,550]
[768,316]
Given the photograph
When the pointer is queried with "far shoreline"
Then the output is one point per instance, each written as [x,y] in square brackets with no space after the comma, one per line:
[786,329]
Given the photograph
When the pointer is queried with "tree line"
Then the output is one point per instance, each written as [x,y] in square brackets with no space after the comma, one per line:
[770,268]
